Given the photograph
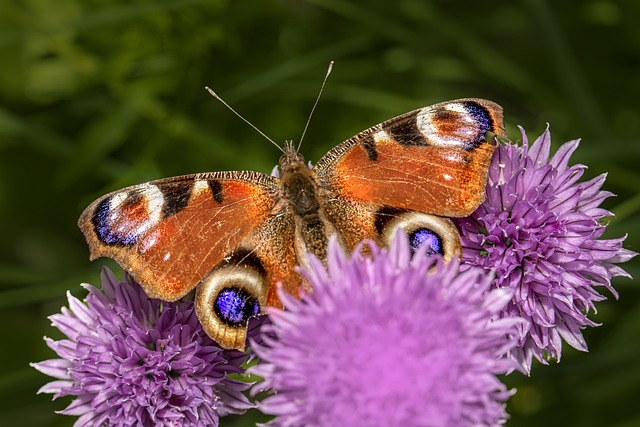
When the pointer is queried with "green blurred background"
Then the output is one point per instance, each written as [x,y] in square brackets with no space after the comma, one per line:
[99,94]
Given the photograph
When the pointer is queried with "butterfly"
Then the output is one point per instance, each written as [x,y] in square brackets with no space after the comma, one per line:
[233,236]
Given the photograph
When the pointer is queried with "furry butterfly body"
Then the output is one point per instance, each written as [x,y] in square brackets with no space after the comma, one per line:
[233,236]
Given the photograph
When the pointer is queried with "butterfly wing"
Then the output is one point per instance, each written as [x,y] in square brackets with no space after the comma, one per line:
[174,233]
[432,160]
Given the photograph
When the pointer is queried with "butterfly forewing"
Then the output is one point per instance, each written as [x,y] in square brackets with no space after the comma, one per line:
[169,233]
[433,160]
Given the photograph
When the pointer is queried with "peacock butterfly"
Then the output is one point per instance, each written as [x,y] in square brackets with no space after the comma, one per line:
[234,235]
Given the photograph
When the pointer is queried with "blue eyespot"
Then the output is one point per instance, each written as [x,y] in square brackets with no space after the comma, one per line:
[428,238]
[234,306]
[483,122]
[104,230]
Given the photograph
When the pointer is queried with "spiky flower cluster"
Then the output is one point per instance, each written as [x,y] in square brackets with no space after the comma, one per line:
[540,231]
[382,340]
[131,360]
[387,340]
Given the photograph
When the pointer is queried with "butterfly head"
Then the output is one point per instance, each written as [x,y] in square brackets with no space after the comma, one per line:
[291,160]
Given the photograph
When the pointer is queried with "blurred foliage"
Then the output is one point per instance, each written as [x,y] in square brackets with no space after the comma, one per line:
[99,94]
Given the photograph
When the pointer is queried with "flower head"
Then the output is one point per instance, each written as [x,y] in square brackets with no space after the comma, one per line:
[539,230]
[131,360]
[387,340]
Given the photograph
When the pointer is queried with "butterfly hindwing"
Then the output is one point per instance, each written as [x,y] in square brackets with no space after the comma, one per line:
[246,280]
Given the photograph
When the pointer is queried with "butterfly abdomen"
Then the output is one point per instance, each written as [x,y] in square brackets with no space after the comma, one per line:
[300,190]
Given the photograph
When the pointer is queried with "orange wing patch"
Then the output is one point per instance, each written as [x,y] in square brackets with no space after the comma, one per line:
[438,180]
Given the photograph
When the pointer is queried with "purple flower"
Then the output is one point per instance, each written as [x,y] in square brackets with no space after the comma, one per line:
[131,360]
[388,341]
[539,230]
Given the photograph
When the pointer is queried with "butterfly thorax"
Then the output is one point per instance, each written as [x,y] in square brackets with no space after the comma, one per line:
[299,185]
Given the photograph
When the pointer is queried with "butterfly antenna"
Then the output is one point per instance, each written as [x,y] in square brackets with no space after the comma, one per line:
[215,95]
[314,105]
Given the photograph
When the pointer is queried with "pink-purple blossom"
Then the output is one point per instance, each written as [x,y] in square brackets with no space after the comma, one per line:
[540,230]
[385,341]
[131,360]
